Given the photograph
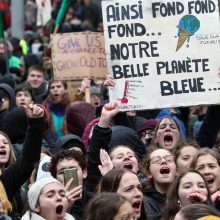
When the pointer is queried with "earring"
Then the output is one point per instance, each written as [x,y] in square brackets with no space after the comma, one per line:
[179,203]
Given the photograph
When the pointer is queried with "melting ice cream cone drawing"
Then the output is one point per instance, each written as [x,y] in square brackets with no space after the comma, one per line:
[188,25]
[183,36]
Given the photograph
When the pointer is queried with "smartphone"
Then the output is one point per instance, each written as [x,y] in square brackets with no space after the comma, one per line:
[68,174]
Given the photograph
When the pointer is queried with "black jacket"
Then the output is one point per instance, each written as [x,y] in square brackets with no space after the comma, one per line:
[106,138]
[210,127]
[80,205]
[154,202]
[8,89]
[16,174]
[16,125]
[100,139]
[122,135]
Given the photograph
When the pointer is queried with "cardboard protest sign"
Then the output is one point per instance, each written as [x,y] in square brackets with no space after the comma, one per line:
[80,54]
[162,53]
[73,86]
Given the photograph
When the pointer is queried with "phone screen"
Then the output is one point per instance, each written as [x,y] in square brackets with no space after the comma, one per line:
[68,174]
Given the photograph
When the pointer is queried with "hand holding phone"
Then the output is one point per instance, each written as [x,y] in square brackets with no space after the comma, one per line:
[71,173]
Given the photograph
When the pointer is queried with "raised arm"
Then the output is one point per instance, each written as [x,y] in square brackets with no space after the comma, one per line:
[100,139]
[16,174]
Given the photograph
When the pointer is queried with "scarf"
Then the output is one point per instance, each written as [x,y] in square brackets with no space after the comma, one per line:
[6,205]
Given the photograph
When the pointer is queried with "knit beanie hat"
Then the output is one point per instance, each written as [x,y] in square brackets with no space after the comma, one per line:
[36,188]
[43,169]
[209,217]
[148,125]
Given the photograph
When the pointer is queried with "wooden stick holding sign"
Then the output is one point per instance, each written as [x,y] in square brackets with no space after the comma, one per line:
[85,88]
[87,94]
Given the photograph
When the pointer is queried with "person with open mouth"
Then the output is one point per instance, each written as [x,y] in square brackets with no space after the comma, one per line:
[167,133]
[14,173]
[120,155]
[160,168]
[95,96]
[77,195]
[7,155]
[124,157]
[125,183]
[207,162]
[188,188]
[56,103]
[47,201]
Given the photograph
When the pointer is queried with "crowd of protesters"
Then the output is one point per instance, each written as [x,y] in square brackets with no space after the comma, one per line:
[150,164]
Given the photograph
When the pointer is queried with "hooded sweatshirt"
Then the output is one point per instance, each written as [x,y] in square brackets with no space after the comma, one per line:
[8,89]
[16,125]
[122,135]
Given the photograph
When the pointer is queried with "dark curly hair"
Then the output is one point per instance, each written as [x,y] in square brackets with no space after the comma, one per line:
[66,154]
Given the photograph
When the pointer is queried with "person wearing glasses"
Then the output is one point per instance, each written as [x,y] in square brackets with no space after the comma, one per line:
[160,168]
[146,131]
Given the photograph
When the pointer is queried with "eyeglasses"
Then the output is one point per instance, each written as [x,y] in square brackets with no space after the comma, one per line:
[158,159]
[149,133]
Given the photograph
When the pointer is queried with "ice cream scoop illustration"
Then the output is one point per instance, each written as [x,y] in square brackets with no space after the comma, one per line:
[188,25]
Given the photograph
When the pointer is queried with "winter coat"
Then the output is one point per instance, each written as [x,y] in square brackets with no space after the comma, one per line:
[100,139]
[107,138]
[40,93]
[122,135]
[79,205]
[58,111]
[12,104]
[154,202]
[17,173]
[33,216]
[16,125]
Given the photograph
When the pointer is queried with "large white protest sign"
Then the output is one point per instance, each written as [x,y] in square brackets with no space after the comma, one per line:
[162,53]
